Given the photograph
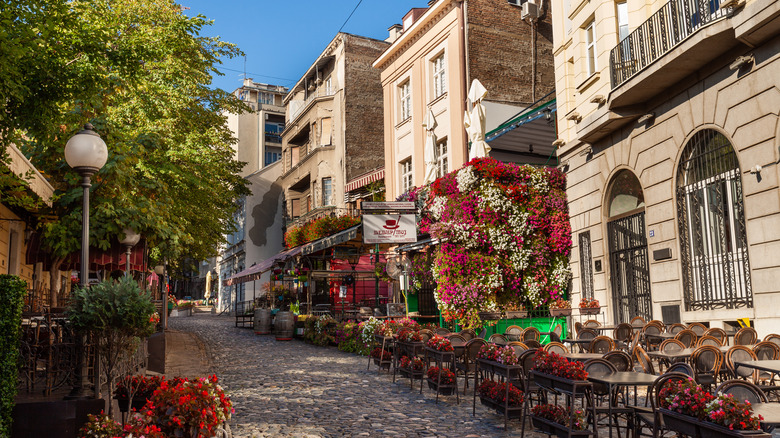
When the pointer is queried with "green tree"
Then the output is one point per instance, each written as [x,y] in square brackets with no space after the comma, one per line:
[139,71]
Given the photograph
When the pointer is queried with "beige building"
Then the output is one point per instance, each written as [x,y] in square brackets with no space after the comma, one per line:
[16,223]
[334,128]
[258,131]
[435,55]
[668,131]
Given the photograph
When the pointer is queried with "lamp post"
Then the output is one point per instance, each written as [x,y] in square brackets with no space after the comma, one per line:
[130,240]
[86,153]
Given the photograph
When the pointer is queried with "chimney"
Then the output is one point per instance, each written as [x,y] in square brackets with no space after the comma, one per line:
[248,82]
[394,31]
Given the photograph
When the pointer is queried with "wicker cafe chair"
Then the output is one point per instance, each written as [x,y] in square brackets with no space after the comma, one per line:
[620,360]
[676,328]
[651,328]
[641,357]
[531,343]
[697,328]
[708,340]
[601,344]
[442,331]
[468,334]
[425,334]
[773,338]
[586,334]
[531,334]
[468,363]
[650,417]
[638,322]
[513,333]
[742,390]
[719,334]
[498,339]
[623,334]
[592,323]
[556,347]
[659,324]
[601,367]
[746,336]
[687,337]
[518,346]
[766,350]
[669,346]
[740,353]
[681,367]
[578,328]
[530,389]
[706,361]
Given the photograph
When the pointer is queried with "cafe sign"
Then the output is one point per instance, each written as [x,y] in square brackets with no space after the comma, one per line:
[389,228]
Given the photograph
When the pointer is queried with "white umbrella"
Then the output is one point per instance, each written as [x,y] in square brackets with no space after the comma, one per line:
[207,295]
[474,121]
[430,148]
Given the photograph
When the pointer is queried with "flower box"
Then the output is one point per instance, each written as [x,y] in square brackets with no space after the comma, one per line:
[411,374]
[382,363]
[590,310]
[560,312]
[560,384]
[489,316]
[512,372]
[712,430]
[442,389]
[691,426]
[679,423]
[510,412]
[125,404]
[516,314]
[553,428]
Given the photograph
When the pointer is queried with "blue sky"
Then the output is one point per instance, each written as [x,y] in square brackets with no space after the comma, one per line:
[281,39]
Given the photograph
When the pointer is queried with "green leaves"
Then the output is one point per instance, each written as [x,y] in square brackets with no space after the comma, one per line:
[12,292]
[119,307]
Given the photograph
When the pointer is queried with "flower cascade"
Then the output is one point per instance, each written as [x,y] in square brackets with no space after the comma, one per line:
[506,238]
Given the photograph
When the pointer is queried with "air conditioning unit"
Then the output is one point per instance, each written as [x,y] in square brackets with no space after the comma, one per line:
[530,11]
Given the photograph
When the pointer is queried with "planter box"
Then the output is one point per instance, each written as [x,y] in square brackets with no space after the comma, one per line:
[490,316]
[382,363]
[125,405]
[691,426]
[511,372]
[560,312]
[411,374]
[590,310]
[559,384]
[442,389]
[552,428]
[516,314]
[510,412]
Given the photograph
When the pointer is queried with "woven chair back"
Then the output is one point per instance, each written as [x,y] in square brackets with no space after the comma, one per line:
[425,334]
[599,367]
[641,357]
[746,336]
[533,343]
[687,337]
[498,339]
[531,334]
[681,367]
[556,347]
[773,338]
[592,323]
[623,332]
[620,360]
[706,359]
[514,333]
[766,351]
[441,331]
[468,334]
[697,328]
[601,344]
[519,347]
[742,390]
[708,340]
[671,346]
[717,333]
[675,328]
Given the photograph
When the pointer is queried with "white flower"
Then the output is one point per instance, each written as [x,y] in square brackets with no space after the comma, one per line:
[466,179]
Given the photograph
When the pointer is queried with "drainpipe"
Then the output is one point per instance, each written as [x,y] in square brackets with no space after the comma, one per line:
[464,62]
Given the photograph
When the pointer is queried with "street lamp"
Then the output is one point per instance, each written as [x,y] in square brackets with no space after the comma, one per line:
[86,153]
[131,239]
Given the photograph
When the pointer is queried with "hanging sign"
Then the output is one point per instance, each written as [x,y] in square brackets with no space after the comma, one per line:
[389,228]
[342,291]
[391,205]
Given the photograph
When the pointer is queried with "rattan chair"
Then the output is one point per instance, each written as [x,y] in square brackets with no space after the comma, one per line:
[468,334]
[742,390]
[641,357]
[556,347]
[468,363]
[650,418]
[456,339]
[586,334]
[687,337]
[592,323]
[719,334]
[746,336]
[533,343]
[601,344]
[620,360]
[697,328]
[669,346]
[651,328]
[600,367]
[514,333]
[623,334]
[706,361]
[498,339]
[676,328]
[441,331]
[638,322]
[578,327]
[740,353]
[531,334]
[659,324]
[519,347]
[425,334]
[766,350]
[773,338]
[557,331]
[681,367]
[708,340]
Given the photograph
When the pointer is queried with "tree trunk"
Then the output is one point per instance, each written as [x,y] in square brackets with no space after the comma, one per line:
[54,281]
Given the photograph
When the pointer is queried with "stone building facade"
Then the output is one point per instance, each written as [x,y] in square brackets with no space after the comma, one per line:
[668,131]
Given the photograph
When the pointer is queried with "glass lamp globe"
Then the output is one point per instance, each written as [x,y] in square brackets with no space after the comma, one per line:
[86,151]
[131,237]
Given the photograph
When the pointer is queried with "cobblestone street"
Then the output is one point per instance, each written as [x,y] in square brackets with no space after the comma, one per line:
[300,390]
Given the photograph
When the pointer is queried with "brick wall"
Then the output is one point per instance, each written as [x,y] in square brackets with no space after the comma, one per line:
[363,106]
[500,51]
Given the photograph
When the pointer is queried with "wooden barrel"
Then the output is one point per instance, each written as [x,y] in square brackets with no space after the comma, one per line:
[283,326]
[262,321]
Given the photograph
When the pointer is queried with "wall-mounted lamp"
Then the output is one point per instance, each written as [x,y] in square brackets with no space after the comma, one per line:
[558,143]
[598,99]
[548,115]
[742,61]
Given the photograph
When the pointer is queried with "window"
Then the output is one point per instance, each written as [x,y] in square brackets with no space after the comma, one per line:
[328,86]
[325,131]
[586,265]
[442,164]
[439,76]
[622,20]
[406,175]
[272,157]
[308,203]
[327,191]
[713,240]
[295,154]
[406,100]
[590,46]
[266,98]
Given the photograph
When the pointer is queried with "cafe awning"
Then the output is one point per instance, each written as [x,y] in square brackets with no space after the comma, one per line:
[332,240]
[253,273]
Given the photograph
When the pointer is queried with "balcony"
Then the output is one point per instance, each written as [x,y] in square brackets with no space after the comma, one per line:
[317,213]
[676,41]
[300,106]
[273,137]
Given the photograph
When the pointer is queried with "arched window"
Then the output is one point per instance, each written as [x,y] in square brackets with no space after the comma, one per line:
[713,243]
[625,194]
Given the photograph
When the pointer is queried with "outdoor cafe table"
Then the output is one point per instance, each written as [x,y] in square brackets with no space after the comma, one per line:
[770,412]
[671,356]
[771,366]
[724,349]
[620,379]
[583,343]
[582,357]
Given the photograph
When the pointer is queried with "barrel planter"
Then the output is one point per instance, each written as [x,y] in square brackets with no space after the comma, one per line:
[262,321]
[284,325]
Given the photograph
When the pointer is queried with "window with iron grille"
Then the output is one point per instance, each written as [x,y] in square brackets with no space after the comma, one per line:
[442,161]
[327,191]
[713,241]
[406,175]
[586,265]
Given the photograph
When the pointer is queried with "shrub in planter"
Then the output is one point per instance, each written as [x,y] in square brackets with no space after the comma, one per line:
[557,414]
[379,354]
[12,292]
[439,343]
[347,337]
[409,336]
[447,377]
[413,363]
[496,391]
[555,365]
[505,355]
[728,412]
[101,426]
[685,397]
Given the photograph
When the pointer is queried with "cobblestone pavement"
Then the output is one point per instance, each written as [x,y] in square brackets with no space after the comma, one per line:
[294,389]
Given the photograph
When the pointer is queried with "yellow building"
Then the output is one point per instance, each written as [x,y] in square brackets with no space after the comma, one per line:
[668,131]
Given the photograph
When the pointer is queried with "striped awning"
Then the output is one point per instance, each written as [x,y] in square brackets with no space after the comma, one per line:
[367,178]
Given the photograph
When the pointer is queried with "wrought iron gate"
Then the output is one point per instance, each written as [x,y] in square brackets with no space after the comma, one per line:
[629,268]
[426,301]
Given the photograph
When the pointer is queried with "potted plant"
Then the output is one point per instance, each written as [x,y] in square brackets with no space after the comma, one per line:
[556,373]
[189,408]
[515,311]
[496,395]
[555,420]
[133,391]
[382,358]
[441,380]
[411,367]
[589,306]
[560,307]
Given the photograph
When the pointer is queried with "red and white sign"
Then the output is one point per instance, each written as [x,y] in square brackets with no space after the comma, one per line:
[389,228]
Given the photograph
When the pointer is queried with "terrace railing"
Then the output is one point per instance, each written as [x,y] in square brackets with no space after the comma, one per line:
[673,23]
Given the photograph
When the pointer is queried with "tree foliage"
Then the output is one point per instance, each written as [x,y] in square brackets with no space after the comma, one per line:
[139,71]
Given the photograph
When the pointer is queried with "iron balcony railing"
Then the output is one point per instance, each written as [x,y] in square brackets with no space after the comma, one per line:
[672,24]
